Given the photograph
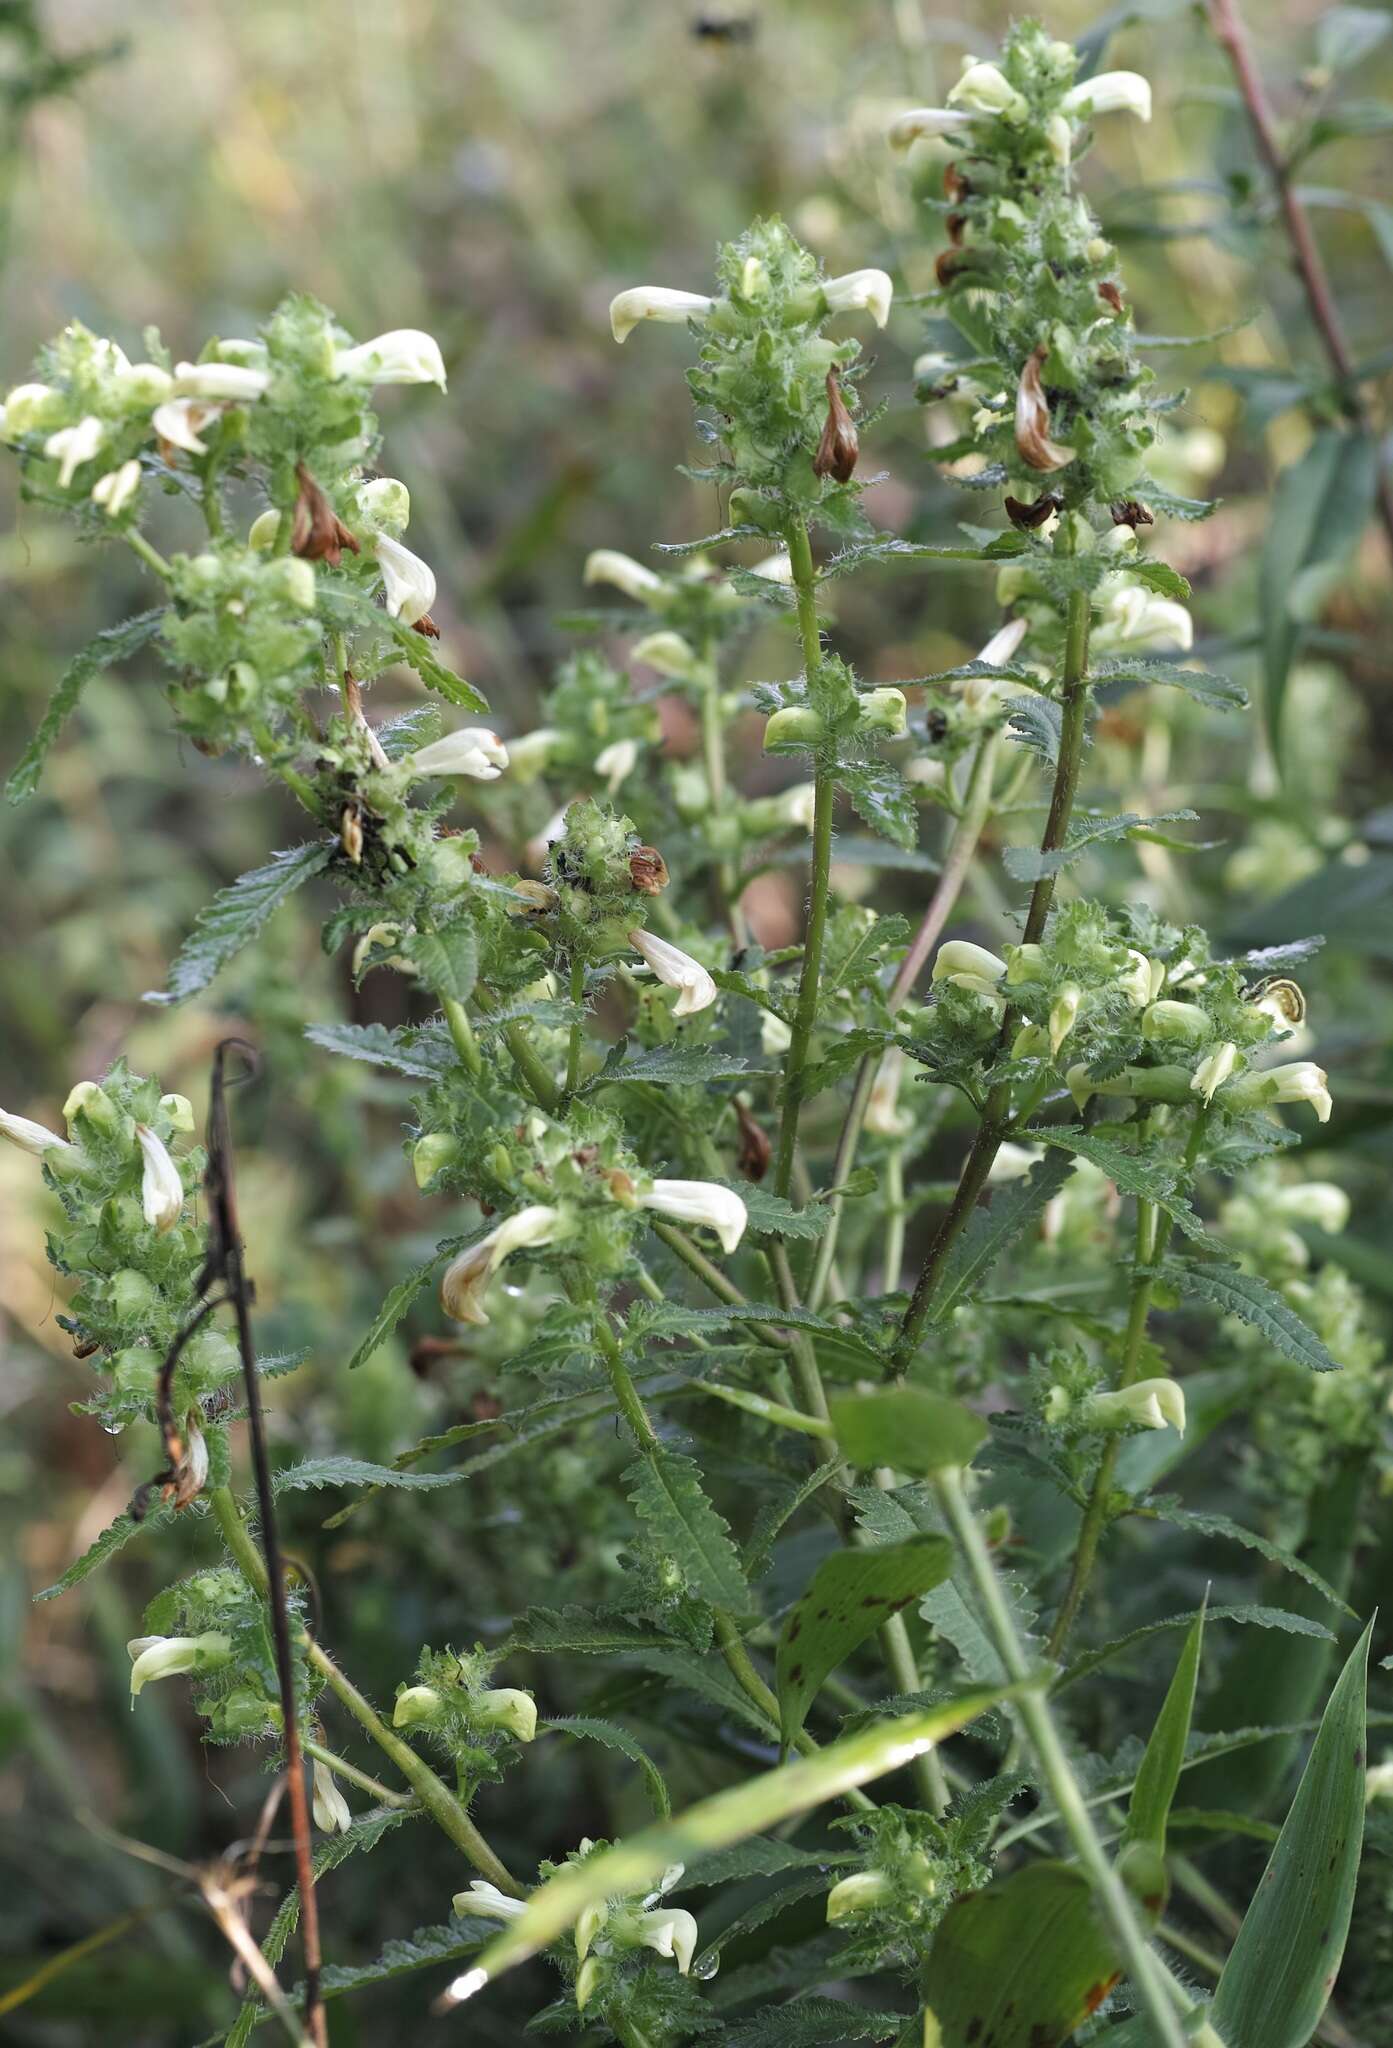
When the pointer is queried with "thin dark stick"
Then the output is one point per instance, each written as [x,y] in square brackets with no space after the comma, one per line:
[1232,35]
[225,1259]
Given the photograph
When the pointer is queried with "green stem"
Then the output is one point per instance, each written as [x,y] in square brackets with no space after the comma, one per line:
[1149,1979]
[462,1033]
[577,1038]
[715,1281]
[996,1112]
[151,557]
[894,1221]
[768,1411]
[528,1062]
[342,1768]
[435,1796]
[805,1015]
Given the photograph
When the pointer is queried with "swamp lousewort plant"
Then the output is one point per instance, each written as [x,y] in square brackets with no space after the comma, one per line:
[696,1159]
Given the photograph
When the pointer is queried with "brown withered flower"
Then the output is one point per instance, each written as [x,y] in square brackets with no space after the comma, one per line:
[317,532]
[1131,512]
[1033,419]
[956,224]
[955,185]
[755,1148]
[840,445]
[1111,296]
[427,627]
[648,870]
[948,264]
[1026,516]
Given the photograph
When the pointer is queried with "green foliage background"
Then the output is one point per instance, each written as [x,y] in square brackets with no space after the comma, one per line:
[493,174]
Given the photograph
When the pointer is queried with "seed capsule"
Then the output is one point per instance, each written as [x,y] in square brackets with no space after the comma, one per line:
[840,445]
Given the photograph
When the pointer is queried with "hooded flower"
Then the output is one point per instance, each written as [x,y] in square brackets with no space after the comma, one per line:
[114,491]
[700,1201]
[960,956]
[37,1139]
[1134,616]
[635,579]
[1064,1012]
[617,762]
[155,1657]
[71,447]
[161,1189]
[417,1706]
[407,581]
[332,1813]
[406,355]
[472,751]
[509,1709]
[1213,1070]
[654,302]
[922,122]
[985,89]
[486,1900]
[180,421]
[859,291]
[1146,1404]
[1111,92]
[862,1892]
[677,970]
[233,383]
[1298,1081]
[466,1278]
[669,1931]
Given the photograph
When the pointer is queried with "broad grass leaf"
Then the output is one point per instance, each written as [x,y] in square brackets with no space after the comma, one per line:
[1020,1964]
[850,1595]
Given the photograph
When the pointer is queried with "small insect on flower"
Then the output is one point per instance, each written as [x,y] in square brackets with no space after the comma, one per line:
[654,302]
[1033,441]
[466,1278]
[405,355]
[161,1189]
[839,447]
[700,1201]
[332,1812]
[676,969]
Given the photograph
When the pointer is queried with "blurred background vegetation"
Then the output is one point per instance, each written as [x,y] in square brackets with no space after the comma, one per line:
[494,174]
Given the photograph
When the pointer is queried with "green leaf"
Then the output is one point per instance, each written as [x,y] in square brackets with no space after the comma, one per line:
[402,1048]
[667,1494]
[1021,1964]
[1219,693]
[1346,35]
[850,1595]
[313,1473]
[1028,864]
[773,1514]
[771,1216]
[1249,1612]
[883,798]
[618,1738]
[676,1066]
[1037,723]
[906,1427]
[1286,1956]
[1319,509]
[235,916]
[1254,1302]
[117,643]
[748,1808]
[1147,1179]
[1159,1774]
[806,2022]
[448,959]
[412,647]
[113,1538]
[393,1309]
[992,1228]
[1220,1525]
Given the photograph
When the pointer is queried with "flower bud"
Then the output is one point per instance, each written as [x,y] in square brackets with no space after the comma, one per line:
[1146,1404]
[1213,1070]
[774,568]
[161,1189]
[654,302]
[984,89]
[71,447]
[114,491]
[429,1154]
[1064,1012]
[860,291]
[862,1892]
[231,382]
[155,1657]
[635,579]
[960,956]
[513,1711]
[669,654]
[678,970]
[30,407]
[408,582]
[1111,92]
[487,1901]
[587,1981]
[264,528]
[617,762]
[384,505]
[881,711]
[795,725]
[472,751]
[332,1813]
[406,355]
[1029,1040]
[670,1932]
[466,1278]
[1059,135]
[1172,1020]
[418,1706]
[179,1110]
[1143,979]
[700,1201]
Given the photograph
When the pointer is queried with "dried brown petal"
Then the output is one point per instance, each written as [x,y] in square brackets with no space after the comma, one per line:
[1131,512]
[755,1148]
[648,871]
[955,185]
[840,446]
[351,833]
[949,264]
[956,224]
[1026,516]
[1033,419]
[318,534]
[426,626]
[1111,296]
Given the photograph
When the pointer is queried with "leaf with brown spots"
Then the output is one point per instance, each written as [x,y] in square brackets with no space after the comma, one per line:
[851,1594]
[1021,1964]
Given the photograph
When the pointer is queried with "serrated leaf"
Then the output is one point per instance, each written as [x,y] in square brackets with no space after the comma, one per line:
[313,1473]
[448,959]
[907,1428]
[618,1738]
[114,1537]
[748,1808]
[667,1494]
[1220,693]
[413,648]
[852,1593]
[882,797]
[235,916]
[806,2022]
[1250,1299]
[1251,1613]
[992,1228]
[393,1309]
[404,1050]
[761,1856]
[1020,1964]
[771,1216]
[677,1066]
[886,547]
[117,643]
[1132,1175]
[1220,1525]
[1028,864]
[1159,1774]
[1286,1955]
[1037,723]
